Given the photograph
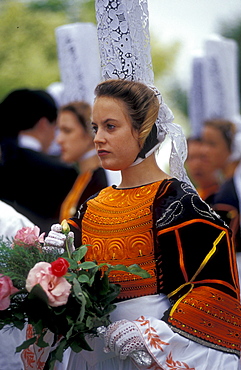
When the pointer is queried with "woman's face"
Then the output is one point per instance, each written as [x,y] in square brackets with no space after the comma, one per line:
[74,141]
[215,147]
[115,140]
[198,164]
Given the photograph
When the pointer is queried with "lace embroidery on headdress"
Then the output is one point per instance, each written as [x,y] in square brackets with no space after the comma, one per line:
[124,42]
[165,126]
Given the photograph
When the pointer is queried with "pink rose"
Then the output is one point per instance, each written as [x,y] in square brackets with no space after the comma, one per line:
[28,236]
[6,289]
[56,288]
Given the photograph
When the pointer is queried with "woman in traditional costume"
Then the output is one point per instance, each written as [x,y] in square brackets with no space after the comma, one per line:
[187,314]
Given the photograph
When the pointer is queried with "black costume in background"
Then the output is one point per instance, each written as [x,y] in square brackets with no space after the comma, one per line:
[226,204]
[34,183]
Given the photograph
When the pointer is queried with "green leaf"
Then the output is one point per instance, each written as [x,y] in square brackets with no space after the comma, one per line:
[26,344]
[137,270]
[70,332]
[82,310]
[133,269]
[41,342]
[38,326]
[70,276]
[84,279]
[79,344]
[81,298]
[79,253]
[56,354]
[87,265]
[19,324]
[60,350]
[73,265]
[89,322]
[77,290]
[38,292]
[104,284]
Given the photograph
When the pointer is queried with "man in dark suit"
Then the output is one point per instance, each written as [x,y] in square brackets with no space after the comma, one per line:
[32,181]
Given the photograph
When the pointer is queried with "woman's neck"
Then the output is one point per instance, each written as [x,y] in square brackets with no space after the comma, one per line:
[144,173]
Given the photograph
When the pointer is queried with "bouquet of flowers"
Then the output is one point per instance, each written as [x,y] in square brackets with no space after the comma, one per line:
[58,293]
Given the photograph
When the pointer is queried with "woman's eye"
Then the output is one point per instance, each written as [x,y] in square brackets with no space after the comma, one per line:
[110,127]
[94,129]
[66,130]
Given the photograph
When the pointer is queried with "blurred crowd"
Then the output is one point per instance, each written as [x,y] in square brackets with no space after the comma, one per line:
[46,185]
[49,165]
[213,164]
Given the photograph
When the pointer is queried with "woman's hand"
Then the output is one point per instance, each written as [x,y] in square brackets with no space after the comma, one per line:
[57,239]
[123,338]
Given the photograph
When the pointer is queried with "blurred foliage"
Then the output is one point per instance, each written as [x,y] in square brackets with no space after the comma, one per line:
[233,31]
[52,5]
[163,57]
[28,51]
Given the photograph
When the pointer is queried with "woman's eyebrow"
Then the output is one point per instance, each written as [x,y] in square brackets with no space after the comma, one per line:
[105,121]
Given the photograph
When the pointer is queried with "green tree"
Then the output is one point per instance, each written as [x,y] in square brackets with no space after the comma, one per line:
[28,53]
[28,50]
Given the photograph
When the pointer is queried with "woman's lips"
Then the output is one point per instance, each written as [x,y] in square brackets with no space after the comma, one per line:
[102,153]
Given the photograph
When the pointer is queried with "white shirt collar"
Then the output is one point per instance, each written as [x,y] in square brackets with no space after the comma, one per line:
[29,142]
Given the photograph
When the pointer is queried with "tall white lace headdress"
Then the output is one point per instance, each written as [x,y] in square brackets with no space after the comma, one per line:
[220,78]
[79,61]
[196,98]
[124,42]
[214,84]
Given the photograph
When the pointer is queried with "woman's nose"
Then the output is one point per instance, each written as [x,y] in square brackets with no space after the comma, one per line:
[99,137]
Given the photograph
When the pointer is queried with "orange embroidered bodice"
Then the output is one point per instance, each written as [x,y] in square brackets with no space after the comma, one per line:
[118,226]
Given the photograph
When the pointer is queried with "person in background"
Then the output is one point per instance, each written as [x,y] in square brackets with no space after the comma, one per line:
[222,143]
[188,311]
[200,170]
[218,141]
[75,138]
[28,121]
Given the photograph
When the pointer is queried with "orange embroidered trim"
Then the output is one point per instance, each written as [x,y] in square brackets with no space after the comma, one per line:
[212,316]
[181,259]
[177,365]
[68,207]
[164,190]
[74,224]
[166,230]
[153,338]
[28,355]
[155,366]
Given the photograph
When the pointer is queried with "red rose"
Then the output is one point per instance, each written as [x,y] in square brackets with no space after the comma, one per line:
[59,267]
